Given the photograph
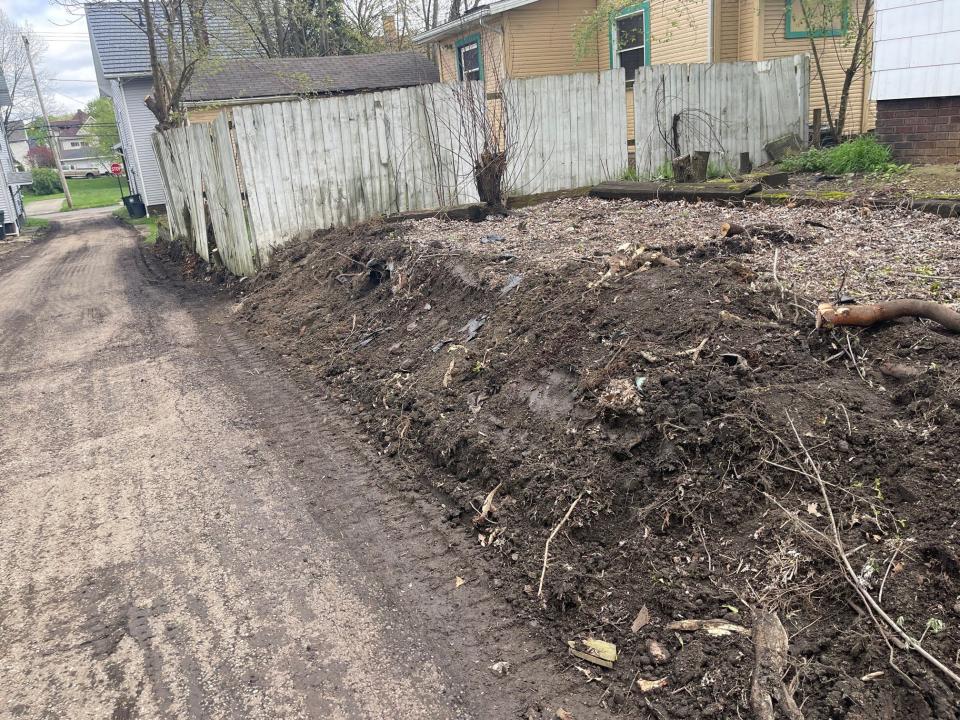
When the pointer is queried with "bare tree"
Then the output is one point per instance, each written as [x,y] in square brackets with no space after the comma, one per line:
[16,69]
[838,32]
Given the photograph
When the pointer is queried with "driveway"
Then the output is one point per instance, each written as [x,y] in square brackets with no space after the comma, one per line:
[185,533]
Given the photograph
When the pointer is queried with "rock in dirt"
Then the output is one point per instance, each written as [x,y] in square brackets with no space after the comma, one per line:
[500,668]
[657,652]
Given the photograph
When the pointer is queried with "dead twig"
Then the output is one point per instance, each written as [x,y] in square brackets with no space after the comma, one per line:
[877,613]
[546,547]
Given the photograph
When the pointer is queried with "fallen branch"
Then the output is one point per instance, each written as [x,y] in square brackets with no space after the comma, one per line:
[829,314]
[546,548]
[767,690]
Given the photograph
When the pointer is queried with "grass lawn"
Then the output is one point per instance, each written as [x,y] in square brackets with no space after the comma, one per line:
[150,222]
[38,223]
[95,192]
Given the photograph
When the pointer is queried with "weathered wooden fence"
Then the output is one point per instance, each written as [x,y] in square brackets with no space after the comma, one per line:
[726,108]
[334,161]
[261,174]
[565,131]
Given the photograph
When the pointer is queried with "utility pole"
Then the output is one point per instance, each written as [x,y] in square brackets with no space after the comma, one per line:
[53,140]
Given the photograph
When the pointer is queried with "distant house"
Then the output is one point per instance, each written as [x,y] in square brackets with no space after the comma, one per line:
[916,79]
[18,143]
[530,38]
[11,202]
[247,82]
[79,154]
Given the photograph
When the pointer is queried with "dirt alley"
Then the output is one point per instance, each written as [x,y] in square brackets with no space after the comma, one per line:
[183,533]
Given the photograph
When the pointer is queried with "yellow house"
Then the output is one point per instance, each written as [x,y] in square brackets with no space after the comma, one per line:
[528,38]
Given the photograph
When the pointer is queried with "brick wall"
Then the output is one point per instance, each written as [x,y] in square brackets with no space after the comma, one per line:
[921,130]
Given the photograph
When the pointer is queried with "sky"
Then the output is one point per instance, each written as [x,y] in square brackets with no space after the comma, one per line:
[68,57]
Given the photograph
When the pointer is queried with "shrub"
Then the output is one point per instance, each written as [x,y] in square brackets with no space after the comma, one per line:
[45,181]
[861,155]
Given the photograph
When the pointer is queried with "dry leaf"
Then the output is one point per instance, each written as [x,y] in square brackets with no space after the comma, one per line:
[642,618]
[814,509]
[563,715]
[458,581]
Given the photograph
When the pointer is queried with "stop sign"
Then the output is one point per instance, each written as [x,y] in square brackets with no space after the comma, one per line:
[116,169]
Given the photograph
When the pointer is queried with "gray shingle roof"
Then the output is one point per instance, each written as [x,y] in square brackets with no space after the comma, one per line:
[78,153]
[280,77]
[4,93]
[118,38]
[119,41]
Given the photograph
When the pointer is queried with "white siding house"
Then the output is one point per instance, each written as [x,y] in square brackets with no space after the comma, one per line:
[122,61]
[916,79]
[140,125]
[916,49]
[11,202]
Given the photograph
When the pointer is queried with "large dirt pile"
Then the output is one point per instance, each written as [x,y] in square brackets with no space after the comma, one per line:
[675,388]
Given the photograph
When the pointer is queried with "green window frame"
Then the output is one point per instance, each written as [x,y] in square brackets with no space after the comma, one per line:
[629,11]
[790,34]
[465,42]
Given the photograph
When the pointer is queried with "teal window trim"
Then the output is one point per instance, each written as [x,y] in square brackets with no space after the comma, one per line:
[469,40]
[643,7]
[790,34]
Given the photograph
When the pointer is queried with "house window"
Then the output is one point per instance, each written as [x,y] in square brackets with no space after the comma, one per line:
[469,58]
[629,39]
[808,19]
[74,144]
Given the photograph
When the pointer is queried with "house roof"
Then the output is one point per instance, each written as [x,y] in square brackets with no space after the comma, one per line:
[69,127]
[470,18]
[118,38]
[293,77]
[5,100]
[87,153]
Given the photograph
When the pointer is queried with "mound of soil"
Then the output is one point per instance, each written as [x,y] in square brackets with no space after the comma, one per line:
[685,400]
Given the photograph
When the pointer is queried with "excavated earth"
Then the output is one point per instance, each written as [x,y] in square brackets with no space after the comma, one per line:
[670,387]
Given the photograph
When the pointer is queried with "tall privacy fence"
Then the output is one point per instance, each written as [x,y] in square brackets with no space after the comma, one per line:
[726,108]
[261,174]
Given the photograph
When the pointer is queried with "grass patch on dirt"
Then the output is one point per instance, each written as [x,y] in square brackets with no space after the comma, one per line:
[86,193]
[149,223]
[861,155]
[37,223]
[556,355]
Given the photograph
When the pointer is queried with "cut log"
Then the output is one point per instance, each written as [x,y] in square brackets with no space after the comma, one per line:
[731,229]
[699,165]
[829,314]
[746,164]
[683,169]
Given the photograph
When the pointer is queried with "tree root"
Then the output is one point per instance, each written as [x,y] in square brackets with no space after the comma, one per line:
[829,314]
[767,691]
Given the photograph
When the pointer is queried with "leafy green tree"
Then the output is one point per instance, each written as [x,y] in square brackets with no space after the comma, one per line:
[102,126]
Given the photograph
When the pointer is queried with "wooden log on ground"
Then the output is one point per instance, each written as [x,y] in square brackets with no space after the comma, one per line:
[683,169]
[731,229]
[829,315]
[699,165]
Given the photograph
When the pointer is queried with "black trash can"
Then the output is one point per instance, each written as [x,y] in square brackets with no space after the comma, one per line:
[3,226]
[134,205]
